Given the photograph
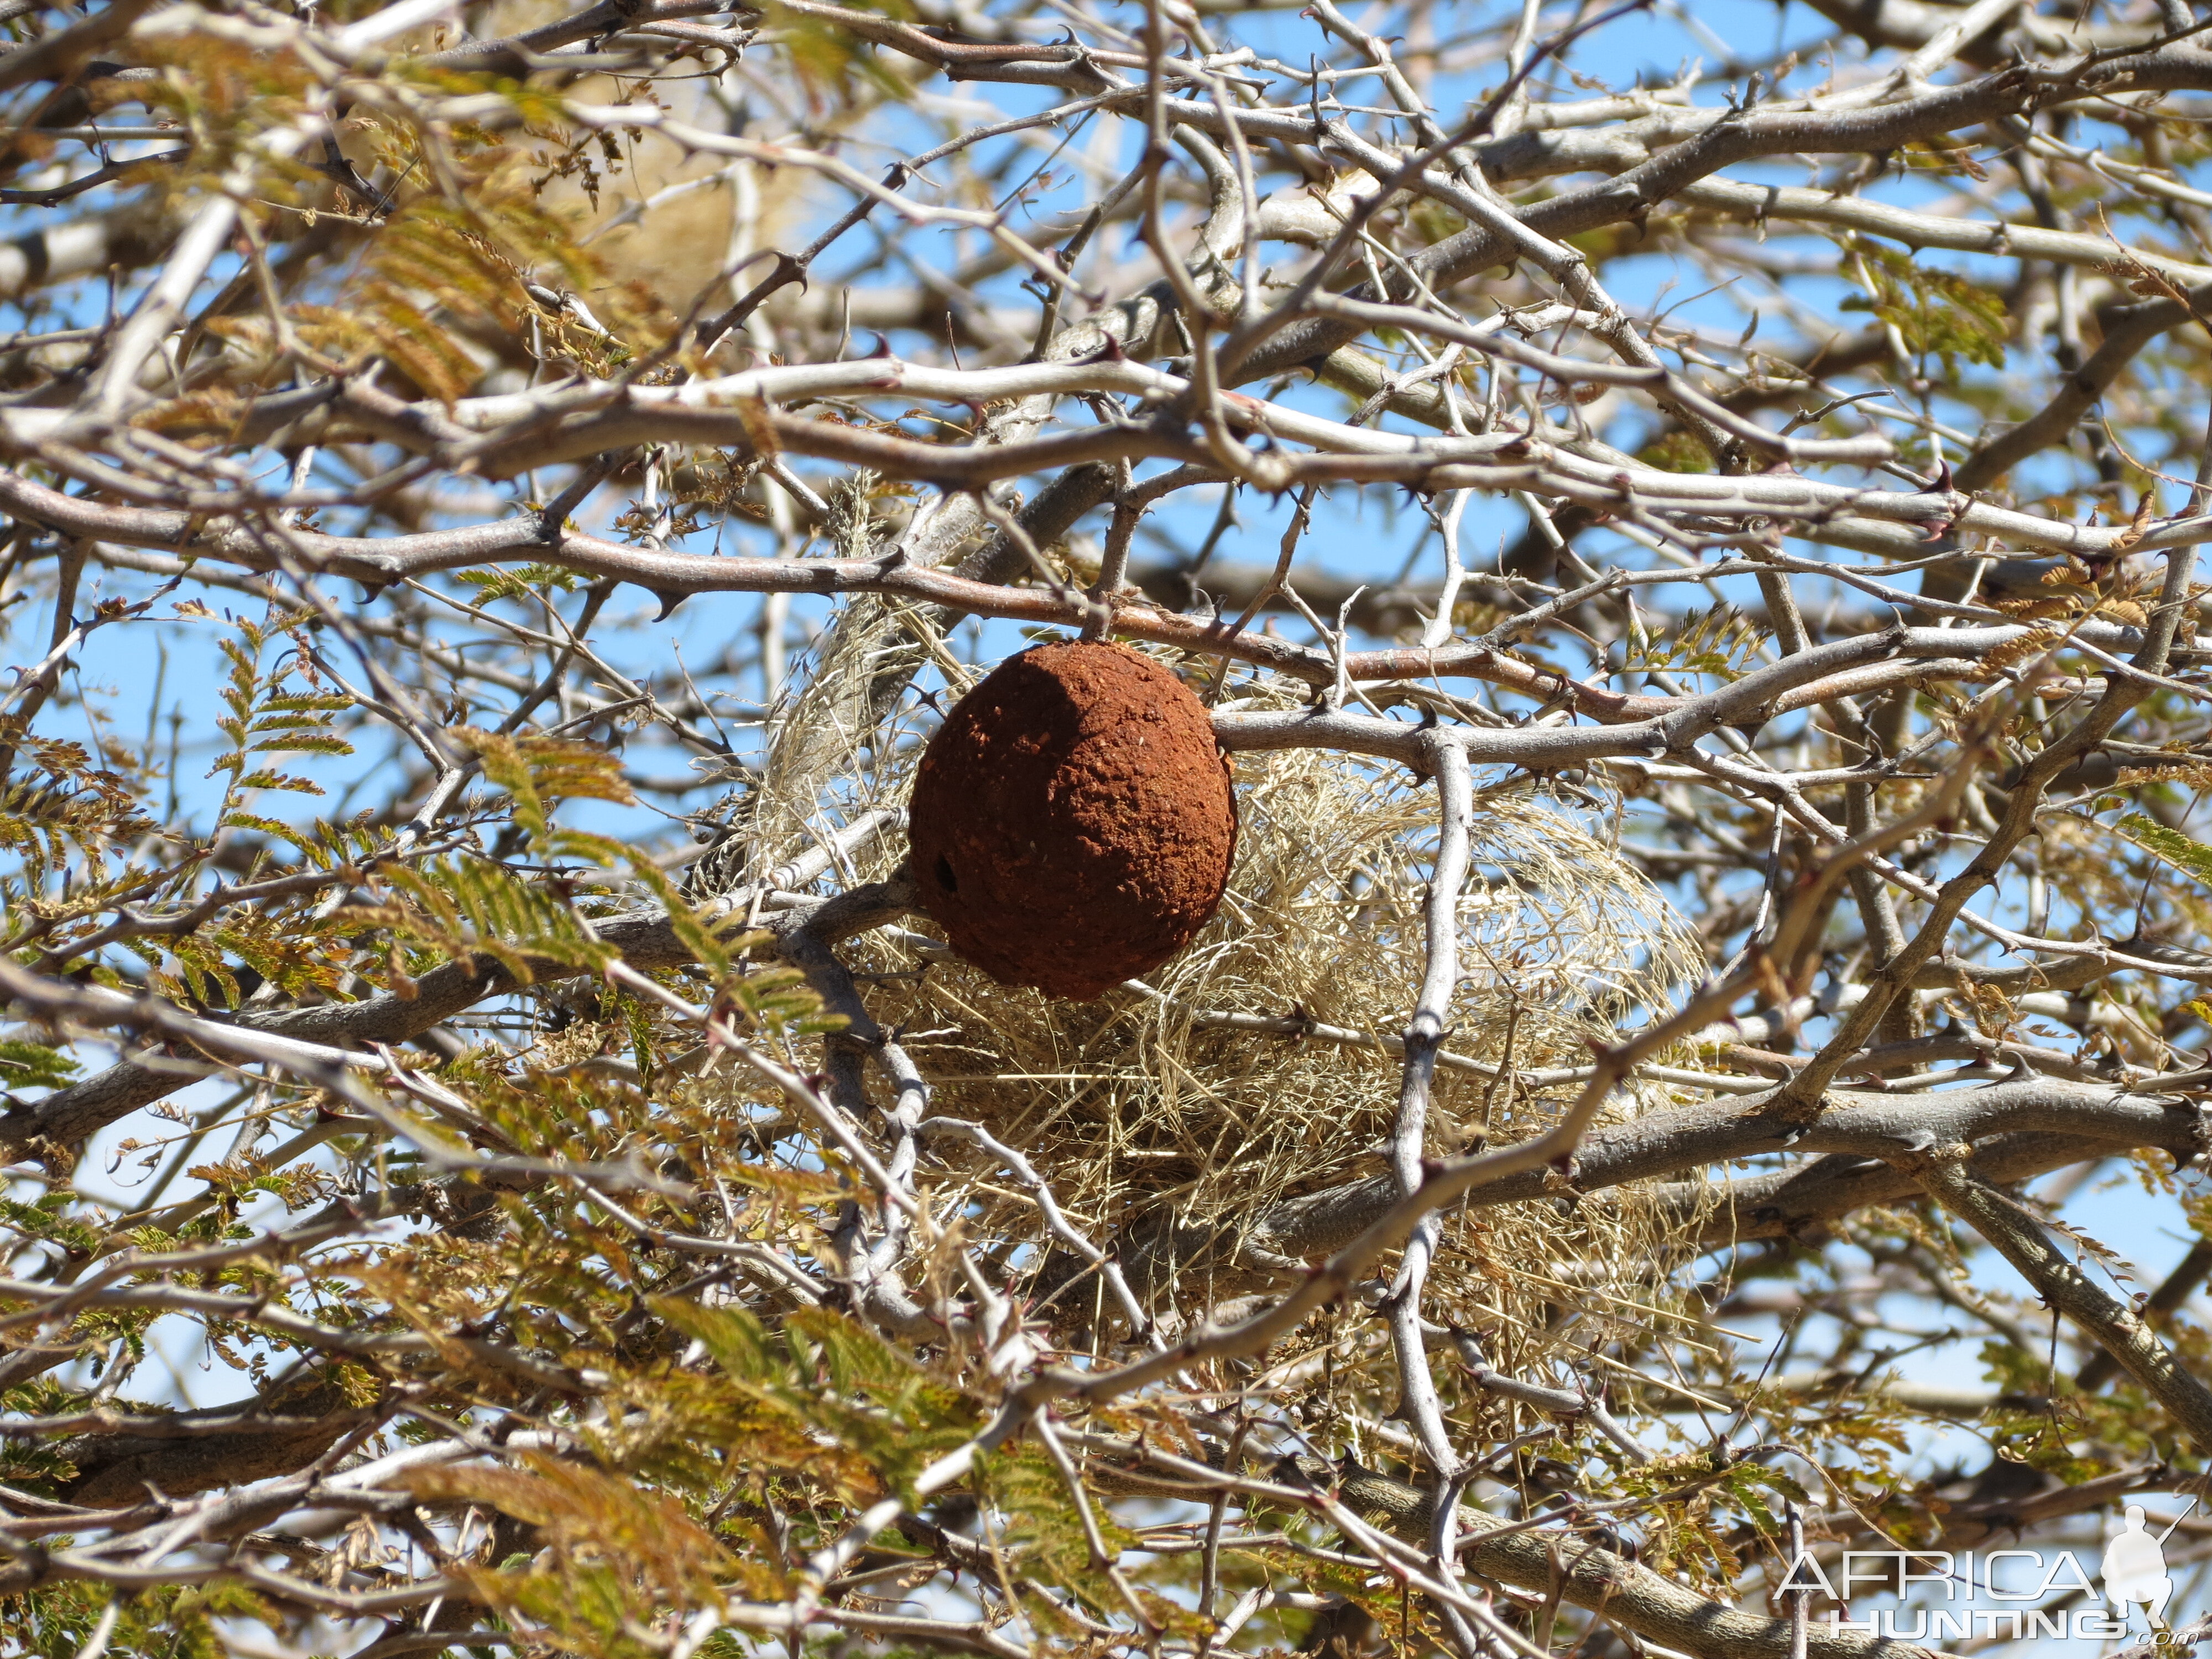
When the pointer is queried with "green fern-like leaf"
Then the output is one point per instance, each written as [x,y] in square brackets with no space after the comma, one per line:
[2192,858]
[1933,309]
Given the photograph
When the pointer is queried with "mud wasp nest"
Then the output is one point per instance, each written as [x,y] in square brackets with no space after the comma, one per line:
[1073,821]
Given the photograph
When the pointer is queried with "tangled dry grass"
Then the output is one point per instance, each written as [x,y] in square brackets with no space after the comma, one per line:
[1231,1080]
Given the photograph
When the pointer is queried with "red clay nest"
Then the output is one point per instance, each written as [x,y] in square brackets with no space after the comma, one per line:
[1073,820]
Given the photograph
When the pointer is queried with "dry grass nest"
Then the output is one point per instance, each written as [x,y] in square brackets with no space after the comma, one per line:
[1146,1108]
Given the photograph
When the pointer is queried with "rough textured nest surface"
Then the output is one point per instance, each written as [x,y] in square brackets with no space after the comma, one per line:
[1072,821]
[1168,1113]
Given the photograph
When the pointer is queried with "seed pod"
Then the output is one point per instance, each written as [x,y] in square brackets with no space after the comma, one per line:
[1072,822]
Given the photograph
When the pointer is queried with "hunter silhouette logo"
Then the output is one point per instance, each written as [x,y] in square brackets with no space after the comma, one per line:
[2020,1583]
[2134,1567]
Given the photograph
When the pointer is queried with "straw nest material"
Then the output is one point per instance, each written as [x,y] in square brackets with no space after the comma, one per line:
[1257,1067]
[1072,821]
